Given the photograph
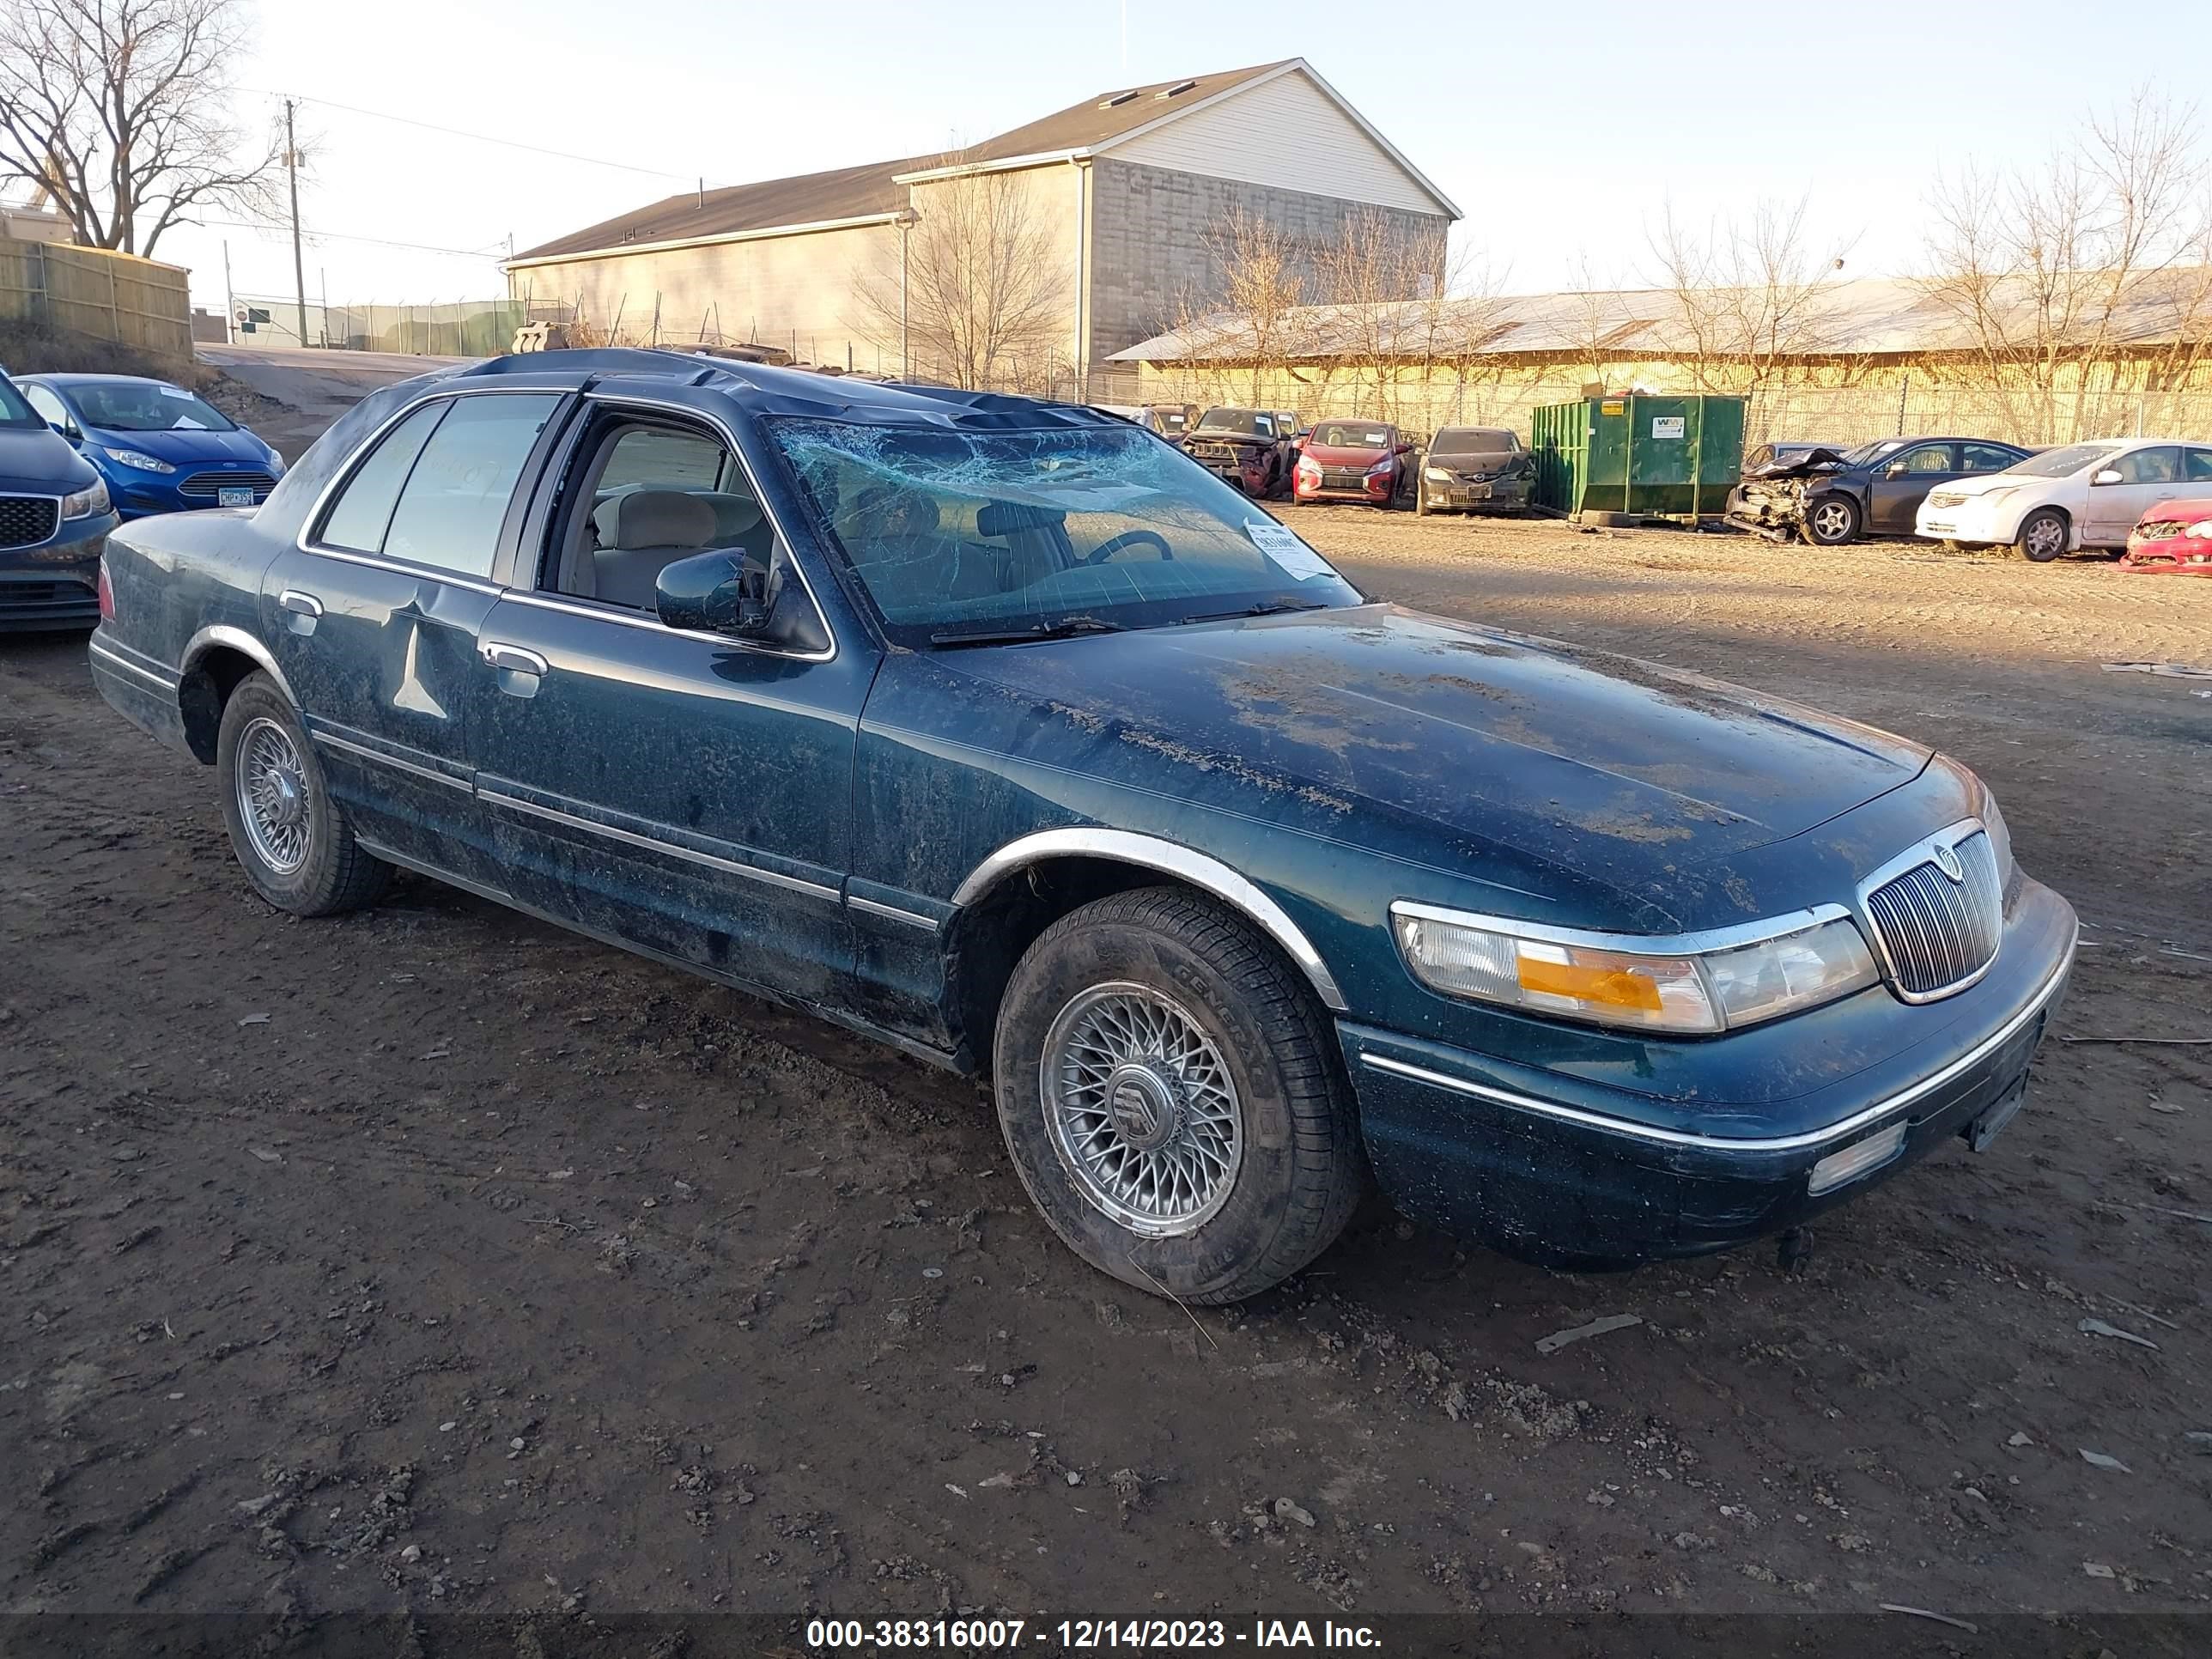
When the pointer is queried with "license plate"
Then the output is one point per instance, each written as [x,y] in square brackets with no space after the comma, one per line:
[1990,1124]
[235,496]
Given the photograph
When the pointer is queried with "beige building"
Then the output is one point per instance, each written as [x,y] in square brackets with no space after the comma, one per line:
[1123,187]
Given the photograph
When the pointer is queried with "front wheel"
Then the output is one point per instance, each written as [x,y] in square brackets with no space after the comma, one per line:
[1174,1105]
[1831,521]
[290,836]
[2042,535]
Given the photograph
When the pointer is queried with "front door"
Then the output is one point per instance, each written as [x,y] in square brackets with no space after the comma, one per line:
[681,791]
[1902,482]
[2146,476]
[374,620]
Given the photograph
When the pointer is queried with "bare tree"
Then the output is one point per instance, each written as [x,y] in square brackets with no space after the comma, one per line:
[1374,276]
[985,284]
[1595,320]
[117,111]
[1748,296]
[1261,275]
[2054,271]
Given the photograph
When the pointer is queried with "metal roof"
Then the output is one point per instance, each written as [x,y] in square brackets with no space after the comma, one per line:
[1867,316]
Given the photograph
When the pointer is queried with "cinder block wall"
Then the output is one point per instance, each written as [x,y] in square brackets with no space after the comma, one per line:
[1150,226]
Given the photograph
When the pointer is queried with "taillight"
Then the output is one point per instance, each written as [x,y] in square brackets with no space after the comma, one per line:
[106,593]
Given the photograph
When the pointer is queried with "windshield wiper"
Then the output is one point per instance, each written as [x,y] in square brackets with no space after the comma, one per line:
[1265,608]
[1065,628]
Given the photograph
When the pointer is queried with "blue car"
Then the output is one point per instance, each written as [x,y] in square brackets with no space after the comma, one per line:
[161,449]
[1006,733]
[54,519]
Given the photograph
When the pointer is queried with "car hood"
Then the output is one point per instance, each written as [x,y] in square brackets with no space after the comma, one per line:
[1621,771]
[2186,511]
[1983,484]
[40,463]
[179,446]
[1344,455]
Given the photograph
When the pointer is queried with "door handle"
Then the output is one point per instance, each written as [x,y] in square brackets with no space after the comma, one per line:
[303,610]
[512,657]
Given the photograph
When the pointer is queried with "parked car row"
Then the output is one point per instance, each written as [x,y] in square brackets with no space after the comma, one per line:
[1830,497]
[1271,453]
[2086,494]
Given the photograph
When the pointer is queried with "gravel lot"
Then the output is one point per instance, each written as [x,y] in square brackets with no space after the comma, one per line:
[432,1259]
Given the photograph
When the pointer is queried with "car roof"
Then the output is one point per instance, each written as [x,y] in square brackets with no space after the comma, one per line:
[763,389]
[102,379]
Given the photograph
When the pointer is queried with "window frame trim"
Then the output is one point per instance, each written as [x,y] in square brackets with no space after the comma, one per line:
[311,527]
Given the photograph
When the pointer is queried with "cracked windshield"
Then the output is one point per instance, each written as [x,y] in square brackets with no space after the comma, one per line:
[964,537]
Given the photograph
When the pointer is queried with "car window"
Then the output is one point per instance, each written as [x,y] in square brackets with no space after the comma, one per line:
[146,406]
[50,408]
[1352,434]
[2062,462]
[1984,457]
[2200,466]
[2159,465]
[955,533]
[450,507]
[14,411]
[362,512]
[648,495]
[1924,460]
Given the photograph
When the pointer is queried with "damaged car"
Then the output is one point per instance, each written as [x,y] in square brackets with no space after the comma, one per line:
[2173,539]
[1252,450]
[1473,468]
[1003,733]
[1367,461]
[1831,498]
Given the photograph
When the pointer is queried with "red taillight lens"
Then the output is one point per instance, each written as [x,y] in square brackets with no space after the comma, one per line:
[106,593]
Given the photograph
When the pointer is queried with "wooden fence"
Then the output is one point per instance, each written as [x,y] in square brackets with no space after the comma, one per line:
[109,296]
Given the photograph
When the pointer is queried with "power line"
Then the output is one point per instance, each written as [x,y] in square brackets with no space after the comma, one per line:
[479,137]
[493,252]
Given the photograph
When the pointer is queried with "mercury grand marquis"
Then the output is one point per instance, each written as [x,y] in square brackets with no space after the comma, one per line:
[1004,732]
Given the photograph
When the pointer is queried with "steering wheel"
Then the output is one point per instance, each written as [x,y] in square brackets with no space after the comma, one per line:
[1107,549]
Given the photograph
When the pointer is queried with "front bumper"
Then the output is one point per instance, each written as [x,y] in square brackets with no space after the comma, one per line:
[1969,522]
[55,584]
[1461,496]
[2174,556]
[1569,1174]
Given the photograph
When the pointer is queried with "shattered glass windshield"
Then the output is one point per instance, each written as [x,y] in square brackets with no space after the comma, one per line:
[1071,529]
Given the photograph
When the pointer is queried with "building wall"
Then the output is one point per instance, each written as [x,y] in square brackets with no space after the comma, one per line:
[1149,243]
[1288,133]
[795,292]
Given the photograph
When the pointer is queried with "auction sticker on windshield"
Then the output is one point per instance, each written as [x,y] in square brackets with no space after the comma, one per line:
[1281,545]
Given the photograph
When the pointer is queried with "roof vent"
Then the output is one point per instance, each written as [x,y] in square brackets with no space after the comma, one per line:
[1116,100]
[1179,88]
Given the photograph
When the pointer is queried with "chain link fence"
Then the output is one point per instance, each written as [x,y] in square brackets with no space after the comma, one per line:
[453,328]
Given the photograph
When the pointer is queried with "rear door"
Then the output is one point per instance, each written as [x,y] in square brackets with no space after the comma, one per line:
[372,616]
[1902,482]
[2147,477]
[683,792]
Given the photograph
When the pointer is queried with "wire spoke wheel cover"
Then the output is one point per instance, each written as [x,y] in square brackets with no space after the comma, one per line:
[1142,1109]
[272,796]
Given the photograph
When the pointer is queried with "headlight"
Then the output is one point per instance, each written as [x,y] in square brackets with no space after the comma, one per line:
[1992,497]
[139,458]
[2202,530]
[2000,839]
[1436,475]
[1380,468]
[1714,990]
[86,503]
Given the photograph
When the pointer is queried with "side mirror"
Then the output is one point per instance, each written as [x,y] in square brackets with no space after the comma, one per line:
[713,593]
[64,430]
[2110,475]
[1895,470]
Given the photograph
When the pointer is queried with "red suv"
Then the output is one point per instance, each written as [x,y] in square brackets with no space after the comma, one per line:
[1354,461]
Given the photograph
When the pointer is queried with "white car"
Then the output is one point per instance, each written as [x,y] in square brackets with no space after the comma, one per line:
[2087,494]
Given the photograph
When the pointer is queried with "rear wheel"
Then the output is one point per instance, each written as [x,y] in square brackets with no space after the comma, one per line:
[1172,1101]
[2042,535]
[290,836]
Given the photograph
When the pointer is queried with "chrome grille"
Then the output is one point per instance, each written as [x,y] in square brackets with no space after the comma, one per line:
[202,486]
[27,520]
[1946,498]
[1937,934]
[1344,477]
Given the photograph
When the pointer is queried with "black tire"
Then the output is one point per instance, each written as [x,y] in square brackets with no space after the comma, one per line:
[2044,534]
[1302,1168]
[333,874]
[1831,520]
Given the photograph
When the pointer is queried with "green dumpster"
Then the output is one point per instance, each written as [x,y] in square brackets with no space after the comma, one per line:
[1674,457]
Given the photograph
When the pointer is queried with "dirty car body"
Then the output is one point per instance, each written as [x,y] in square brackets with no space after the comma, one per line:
[1830,497]
[1002,733]
[1248,449]
[1474,469]
[1363,461]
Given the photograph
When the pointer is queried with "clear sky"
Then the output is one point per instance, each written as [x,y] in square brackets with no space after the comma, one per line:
[1563,131]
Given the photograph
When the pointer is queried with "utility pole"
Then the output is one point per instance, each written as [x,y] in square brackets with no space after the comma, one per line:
[229,301]
[299,263]
[907,219]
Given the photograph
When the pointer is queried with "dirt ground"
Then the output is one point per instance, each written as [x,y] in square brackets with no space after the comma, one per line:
[432,1259]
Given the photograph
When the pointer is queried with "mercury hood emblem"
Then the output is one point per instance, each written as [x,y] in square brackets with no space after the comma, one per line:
[1947,861]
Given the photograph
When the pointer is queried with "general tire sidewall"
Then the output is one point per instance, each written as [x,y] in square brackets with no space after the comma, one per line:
[317,878]
[2029,523]
[1850,519]
[1240,1232]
